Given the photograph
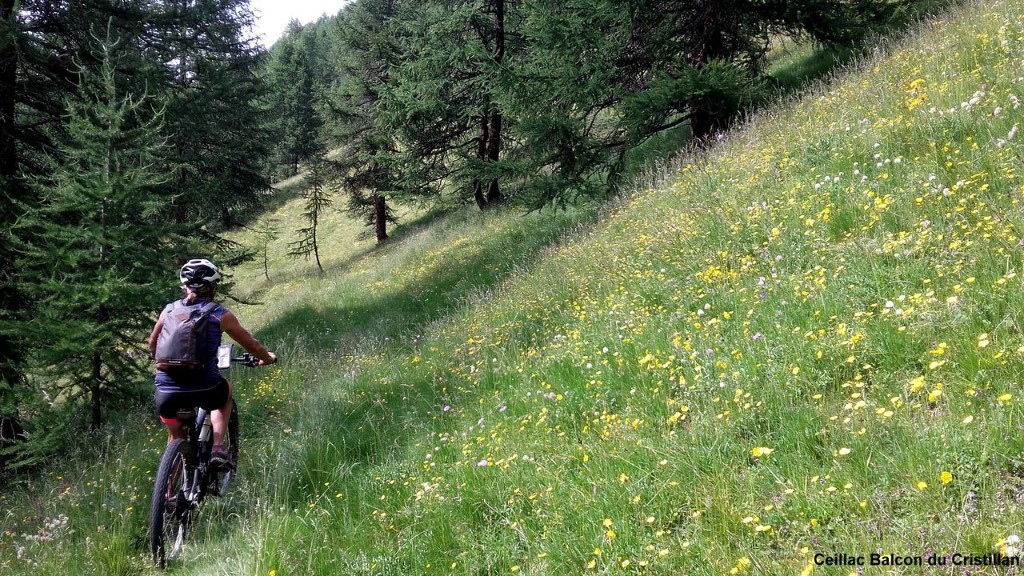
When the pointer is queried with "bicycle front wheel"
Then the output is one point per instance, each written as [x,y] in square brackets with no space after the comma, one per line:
[171,511]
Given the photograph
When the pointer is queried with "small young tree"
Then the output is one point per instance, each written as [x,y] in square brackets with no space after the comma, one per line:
[266,234]
[97,245]
[318,199]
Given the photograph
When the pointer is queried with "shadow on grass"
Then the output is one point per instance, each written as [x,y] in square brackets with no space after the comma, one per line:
[809,69]
[363,420]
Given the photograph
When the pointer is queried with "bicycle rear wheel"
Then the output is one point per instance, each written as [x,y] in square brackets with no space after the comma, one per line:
[170,512]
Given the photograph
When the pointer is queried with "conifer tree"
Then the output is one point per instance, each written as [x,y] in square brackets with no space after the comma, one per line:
[597,77]
[96,244]
[318,199]
[40,42]
[11,354]
[442,101]
[294,96]
[366,162]
[266,234]
[204,64]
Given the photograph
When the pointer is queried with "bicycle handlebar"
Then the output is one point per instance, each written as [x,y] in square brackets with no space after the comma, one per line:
[247,359]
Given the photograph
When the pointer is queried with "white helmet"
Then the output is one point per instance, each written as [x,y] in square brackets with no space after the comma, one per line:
[199,272]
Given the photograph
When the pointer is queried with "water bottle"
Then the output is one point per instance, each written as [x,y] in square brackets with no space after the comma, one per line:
[224,356]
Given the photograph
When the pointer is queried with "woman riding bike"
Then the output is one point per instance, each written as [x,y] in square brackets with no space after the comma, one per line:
[203,387]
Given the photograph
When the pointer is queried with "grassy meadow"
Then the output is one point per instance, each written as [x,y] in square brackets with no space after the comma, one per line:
[804,343]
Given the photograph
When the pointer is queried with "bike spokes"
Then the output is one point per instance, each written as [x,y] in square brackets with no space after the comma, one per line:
[172,509]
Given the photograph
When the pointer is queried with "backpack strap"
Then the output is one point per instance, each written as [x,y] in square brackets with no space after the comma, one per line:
[208,308]
[205,310]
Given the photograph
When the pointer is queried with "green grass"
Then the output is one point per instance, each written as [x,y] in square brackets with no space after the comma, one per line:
[806,341]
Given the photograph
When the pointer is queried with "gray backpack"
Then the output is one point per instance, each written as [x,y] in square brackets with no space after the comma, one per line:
[181,346]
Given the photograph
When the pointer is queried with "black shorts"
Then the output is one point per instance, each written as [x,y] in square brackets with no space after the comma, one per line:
[168,402]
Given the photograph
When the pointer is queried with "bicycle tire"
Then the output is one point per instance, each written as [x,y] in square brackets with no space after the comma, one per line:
[170,513]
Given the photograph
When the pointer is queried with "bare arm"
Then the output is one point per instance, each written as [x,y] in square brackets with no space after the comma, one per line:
[155,334]
[230,325]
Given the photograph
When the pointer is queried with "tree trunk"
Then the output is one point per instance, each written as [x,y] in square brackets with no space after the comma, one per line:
[710,43]
[380,217]
[494,194]
[478,195]
[702,124]
[316,246]
[96,391]
[481,154]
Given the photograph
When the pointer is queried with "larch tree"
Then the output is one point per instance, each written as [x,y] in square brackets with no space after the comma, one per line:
[98,239]
[204,66]
[441,102]
[368,55]
[317,195]
[598,77]
[294,90]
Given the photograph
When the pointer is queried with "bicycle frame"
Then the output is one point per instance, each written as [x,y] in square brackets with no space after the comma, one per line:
[199,452]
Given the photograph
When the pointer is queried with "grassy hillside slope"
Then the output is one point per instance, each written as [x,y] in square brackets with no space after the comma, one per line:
[806,342]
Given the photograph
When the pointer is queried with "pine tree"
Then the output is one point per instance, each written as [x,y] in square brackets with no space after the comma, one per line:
[203,64]
[97,244]
[597,77]
[11,187]
[39,43]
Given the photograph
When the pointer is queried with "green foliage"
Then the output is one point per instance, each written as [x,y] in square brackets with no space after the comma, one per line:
[202,65]
[470,101]
[11,187]
[440,99]
[293,98]
[176,154]
[599,78]
[266,234]
[90,252]
[95,244]
[366,161]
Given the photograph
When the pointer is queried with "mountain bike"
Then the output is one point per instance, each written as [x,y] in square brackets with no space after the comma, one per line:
[185,477]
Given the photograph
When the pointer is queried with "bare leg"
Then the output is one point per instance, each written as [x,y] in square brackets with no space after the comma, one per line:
[219,419]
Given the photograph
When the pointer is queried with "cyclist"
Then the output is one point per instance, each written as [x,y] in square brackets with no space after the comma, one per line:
[206,387]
